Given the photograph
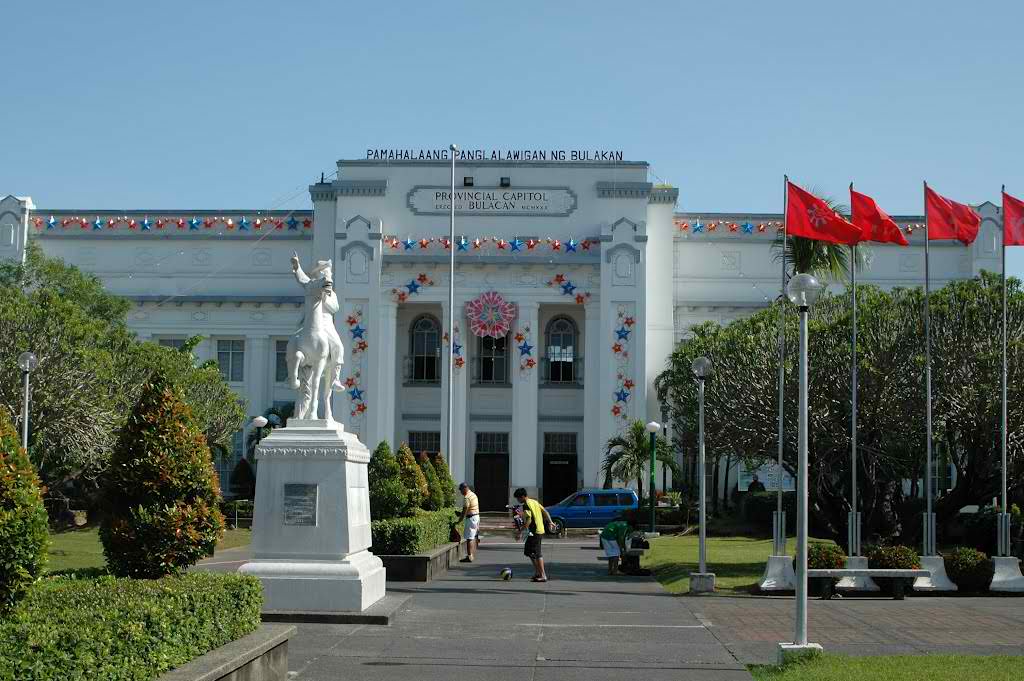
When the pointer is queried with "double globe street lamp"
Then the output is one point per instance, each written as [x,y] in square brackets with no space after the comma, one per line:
[701,581]
[803,291]
[652,428]
[27,362]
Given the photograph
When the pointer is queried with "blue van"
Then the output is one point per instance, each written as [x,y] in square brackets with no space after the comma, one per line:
[592,507]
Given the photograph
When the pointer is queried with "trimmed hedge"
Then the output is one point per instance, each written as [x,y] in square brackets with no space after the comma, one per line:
[893,558]
[23,533]
[416,534]
[970,569]
[124,629]
[641,517]
[434,501]
[388,497]
[825,557]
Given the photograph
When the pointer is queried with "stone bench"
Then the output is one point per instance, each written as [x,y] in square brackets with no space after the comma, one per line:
[899,578]
[628,553]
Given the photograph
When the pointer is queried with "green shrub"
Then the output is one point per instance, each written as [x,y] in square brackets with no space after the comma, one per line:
[23,533]
[970,569]
[980,528]
[84,627]
[161,492]
[412,479]
[388,498]
[444,474]
[641,517]
[416,534]
[893,558]
[434,501]
[825,557]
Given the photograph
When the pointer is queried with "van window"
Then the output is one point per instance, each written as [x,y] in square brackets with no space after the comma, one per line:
[625,499]
[605,500]
[581,500]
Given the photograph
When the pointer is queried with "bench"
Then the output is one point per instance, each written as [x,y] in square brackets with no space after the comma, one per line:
[628,553]
[899,577]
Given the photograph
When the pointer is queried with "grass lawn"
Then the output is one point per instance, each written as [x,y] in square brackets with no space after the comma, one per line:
[82,549]
[738,562]
[895,668]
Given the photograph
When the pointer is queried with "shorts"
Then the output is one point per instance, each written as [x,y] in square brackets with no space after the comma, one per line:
[611,548]
[470,527]
[532,548]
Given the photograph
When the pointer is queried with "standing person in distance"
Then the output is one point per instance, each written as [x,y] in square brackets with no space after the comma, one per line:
[470,522]
[537,522]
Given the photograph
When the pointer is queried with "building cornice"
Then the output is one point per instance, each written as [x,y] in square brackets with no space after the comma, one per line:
[668,195]
[623,190]
[469,163]
[217,299]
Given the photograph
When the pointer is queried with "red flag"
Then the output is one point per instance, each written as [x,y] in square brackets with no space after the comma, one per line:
[873,222]
[810,217]
[1013,221]
[948,219]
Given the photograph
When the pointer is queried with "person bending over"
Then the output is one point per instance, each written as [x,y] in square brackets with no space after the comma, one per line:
[613,539]
[537,520]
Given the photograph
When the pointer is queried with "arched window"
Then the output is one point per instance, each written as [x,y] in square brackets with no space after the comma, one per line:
[561,361]
[425,346]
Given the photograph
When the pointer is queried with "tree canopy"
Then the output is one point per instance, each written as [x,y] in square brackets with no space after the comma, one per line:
[742,398]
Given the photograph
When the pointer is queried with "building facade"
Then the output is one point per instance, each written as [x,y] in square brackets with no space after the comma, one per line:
[573,282]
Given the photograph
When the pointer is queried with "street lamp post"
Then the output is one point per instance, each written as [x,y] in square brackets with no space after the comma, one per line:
[28,362]
[653,427]
[802,291]
[702,581]
[451,311]
[664,468]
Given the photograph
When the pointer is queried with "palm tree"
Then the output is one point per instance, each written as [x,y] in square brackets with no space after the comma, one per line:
[823,259]
[627,456]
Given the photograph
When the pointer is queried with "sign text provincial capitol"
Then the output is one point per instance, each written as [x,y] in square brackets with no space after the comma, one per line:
[494,201]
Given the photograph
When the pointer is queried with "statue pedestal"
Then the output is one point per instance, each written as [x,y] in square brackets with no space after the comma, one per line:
[311,525]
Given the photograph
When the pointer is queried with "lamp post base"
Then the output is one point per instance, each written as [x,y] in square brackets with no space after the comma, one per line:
[778,574]
[789,652]
[938,581]
[1007,577]
[702,582]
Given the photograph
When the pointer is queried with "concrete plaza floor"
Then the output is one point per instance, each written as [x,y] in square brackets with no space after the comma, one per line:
[584,624]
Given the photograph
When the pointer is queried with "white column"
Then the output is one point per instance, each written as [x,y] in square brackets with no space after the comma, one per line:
[458,448]
[383,363]
[593,447]
[523,462]
[257,369]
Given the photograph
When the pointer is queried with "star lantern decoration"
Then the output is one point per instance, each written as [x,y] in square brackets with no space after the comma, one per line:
[490,315]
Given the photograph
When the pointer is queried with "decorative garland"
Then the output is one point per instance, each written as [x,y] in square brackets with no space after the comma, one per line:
[402,294]
[523,336]
[568,288]
[360,344]
[516,245]
[698,227]
[358,331]
[356,394]
[457,350]
[490,314]
[620,348]
[193,224]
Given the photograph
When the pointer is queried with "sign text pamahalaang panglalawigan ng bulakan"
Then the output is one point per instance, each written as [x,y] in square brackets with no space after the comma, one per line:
[592,155]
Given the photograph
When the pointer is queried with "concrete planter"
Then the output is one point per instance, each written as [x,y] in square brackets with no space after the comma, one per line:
[260,656]
[421,567]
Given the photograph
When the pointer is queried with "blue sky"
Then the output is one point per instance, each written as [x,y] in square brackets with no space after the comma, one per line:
[242,104]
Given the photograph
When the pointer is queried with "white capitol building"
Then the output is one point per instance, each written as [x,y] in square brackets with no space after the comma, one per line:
[602,273]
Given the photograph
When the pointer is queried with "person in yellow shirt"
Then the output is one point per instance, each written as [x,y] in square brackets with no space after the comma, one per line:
[470,522]
[537,521]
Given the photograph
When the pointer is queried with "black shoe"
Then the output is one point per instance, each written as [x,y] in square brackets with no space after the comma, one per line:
[467,559]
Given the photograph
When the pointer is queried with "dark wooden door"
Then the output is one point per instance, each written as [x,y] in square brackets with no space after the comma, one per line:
[559,477]
[490,475]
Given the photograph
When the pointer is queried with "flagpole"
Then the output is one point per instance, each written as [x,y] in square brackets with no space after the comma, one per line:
[779,548]
[853,529]
[1004,518]
[929,527]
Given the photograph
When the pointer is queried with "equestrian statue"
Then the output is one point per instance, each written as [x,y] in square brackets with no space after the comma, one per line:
[315,352]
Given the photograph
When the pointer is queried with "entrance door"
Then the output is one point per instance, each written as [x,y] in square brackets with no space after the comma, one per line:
[560,478]
[490,471]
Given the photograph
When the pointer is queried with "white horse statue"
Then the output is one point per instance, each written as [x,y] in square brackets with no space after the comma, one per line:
[315,352]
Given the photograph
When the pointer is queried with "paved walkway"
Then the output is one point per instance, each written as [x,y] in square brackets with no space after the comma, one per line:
[582,624]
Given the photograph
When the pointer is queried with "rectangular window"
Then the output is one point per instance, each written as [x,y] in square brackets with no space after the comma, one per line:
[231,359]
[226,464]
[492,360]
[492,443]
[281,361]
[559,443]
[606,500]
[625,499]
[428,441]
[176,343]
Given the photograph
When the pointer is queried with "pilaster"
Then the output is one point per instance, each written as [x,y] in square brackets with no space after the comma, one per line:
[659,293]
[383,363]
[458,448]
[593,412]
[523,462]
[14,218]
[257,373]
